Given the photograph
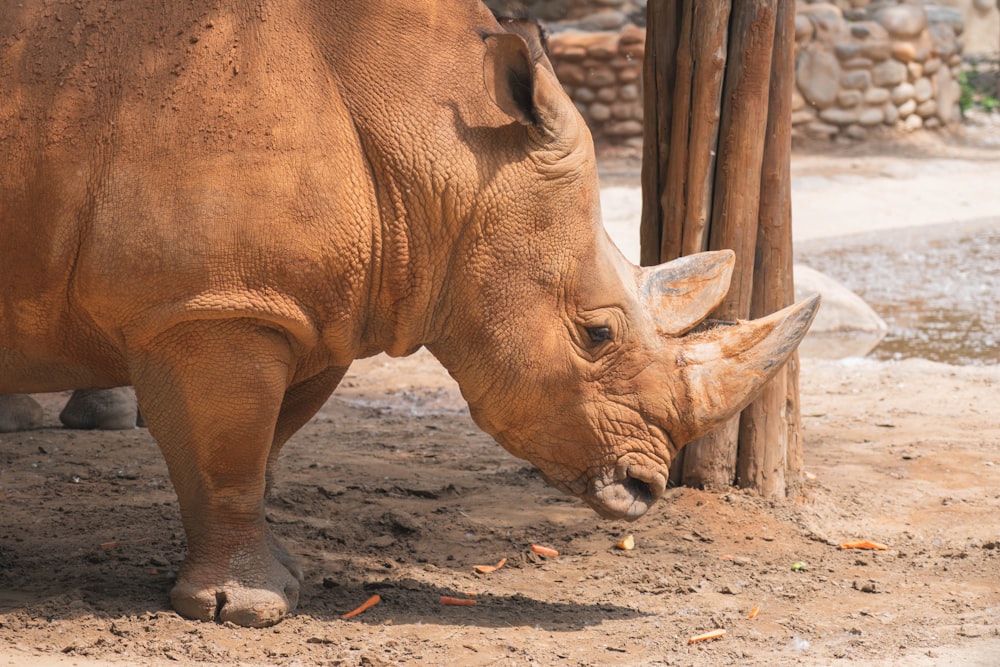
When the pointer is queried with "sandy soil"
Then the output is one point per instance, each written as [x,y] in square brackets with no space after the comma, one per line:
[392,490]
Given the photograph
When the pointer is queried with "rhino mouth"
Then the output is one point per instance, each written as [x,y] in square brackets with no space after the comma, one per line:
[627,493]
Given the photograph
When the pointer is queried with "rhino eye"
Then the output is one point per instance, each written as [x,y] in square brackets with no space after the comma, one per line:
[599,335]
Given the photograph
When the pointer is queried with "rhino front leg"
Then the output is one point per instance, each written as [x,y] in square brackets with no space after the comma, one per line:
[301,402]
[211,393]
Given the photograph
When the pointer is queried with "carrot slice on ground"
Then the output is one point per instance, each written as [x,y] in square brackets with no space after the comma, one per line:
[367,604]
[544,551]
[714,634]
[486,569]
[753,612]
[457,602]
[627,543]
[863,544]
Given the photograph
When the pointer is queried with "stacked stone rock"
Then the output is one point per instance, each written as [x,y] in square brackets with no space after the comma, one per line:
[598,14]
[875,64]
[602,72]
[860,64]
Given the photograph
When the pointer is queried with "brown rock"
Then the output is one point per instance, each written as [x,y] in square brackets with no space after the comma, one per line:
[817,73]
[904,52]
[858,79]
[927,109]
[599,112]
[632,34]
[848,99]
[858,63]
[598,77]
[625,128]
[903,20]
[888,73]
[875,96]
[570,73]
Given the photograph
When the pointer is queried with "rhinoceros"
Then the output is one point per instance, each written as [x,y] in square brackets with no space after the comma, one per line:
[224,204]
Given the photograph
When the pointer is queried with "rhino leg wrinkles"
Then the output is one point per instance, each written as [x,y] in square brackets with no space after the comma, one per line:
[212,393]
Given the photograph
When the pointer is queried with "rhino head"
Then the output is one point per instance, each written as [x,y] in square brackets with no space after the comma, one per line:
[592,369]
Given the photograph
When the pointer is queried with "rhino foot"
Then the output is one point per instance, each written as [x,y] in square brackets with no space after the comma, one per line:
[104,409]
[19,412]
[259,589]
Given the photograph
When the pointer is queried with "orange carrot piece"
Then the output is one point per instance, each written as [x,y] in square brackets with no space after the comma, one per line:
[753,612]
[486,569]
[367,604]
[627,543]
[863,544]
[544,551]
[714,634]
[457,602]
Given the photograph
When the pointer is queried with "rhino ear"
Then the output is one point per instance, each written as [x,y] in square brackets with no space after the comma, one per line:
[524,89]
[509,74]
[680,294]
[535,36]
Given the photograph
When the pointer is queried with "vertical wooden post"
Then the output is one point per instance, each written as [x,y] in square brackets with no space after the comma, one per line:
[684,68]
[658,74]
[764,432]
[711,461]
[719,76]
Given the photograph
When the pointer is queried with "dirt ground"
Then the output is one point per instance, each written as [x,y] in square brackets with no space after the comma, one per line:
[392,490]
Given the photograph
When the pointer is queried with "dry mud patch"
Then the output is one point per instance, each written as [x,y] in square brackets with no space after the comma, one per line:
[392,490]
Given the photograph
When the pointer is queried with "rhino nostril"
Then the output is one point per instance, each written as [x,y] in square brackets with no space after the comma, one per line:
[632,491]
[640,490]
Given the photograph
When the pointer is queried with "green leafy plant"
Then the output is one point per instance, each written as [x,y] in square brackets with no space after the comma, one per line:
[972,97]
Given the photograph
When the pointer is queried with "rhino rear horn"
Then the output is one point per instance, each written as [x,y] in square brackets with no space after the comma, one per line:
[724,368]
[681,293]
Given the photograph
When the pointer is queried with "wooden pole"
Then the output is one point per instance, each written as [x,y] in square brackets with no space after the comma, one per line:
[683,74]
[711,461]
[718,77]
[711,37]
[764,433]
[680,166]
[673,202]
[658,74]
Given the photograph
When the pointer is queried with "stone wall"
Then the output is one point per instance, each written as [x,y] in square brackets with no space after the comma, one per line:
[881,64]
[860,64]
[982,27]
[586,14]
[602,72]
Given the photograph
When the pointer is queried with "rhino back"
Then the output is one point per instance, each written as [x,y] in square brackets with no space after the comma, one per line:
[170,159]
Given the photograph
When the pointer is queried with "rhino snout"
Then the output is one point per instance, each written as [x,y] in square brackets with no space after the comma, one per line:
[632,490]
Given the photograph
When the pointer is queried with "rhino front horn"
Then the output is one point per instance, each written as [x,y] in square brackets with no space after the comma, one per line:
[725,367]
